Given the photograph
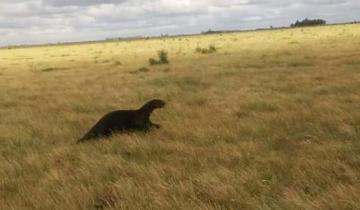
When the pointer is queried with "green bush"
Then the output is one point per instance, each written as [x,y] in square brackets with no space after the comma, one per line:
[163,58]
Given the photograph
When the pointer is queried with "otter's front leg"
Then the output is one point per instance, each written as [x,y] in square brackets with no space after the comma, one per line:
[154,125]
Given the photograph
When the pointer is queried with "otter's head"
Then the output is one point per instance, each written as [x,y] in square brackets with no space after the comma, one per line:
[156,103]
[151,105]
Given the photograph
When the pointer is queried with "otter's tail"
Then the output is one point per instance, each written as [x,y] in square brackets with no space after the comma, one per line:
[81,140]
[88,136]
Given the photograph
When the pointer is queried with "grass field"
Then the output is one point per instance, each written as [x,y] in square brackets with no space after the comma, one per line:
[269,121]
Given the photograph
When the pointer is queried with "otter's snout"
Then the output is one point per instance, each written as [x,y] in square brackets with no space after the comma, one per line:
[162,104]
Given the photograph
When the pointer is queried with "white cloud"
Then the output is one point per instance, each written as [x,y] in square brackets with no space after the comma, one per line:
[37,21]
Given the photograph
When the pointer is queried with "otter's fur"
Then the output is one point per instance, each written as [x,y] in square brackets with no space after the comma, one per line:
[123,120]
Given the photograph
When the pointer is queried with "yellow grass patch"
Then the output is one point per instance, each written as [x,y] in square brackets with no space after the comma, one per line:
[269,121]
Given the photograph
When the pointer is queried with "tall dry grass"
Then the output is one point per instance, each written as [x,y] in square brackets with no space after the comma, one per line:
[269,121]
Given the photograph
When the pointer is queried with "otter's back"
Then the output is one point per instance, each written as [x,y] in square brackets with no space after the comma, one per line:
[118,120]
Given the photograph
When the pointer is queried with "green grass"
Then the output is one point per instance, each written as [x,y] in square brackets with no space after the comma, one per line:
[269,121]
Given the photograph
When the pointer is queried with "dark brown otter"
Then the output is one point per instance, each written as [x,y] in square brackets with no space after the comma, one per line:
[124,120]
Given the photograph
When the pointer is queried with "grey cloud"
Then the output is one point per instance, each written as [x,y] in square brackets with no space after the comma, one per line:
[63,3]
[325,2]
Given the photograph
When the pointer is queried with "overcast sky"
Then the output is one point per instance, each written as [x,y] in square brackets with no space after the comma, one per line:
[44,21]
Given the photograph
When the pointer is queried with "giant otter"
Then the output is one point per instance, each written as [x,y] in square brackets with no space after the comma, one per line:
[123,120]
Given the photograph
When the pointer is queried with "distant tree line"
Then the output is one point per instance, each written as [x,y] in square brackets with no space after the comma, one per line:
[308,22]
[355,22]
[211,32]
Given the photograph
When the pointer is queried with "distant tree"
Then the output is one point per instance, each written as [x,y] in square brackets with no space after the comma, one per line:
[308,22]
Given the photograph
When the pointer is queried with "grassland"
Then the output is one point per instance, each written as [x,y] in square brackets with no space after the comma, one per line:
[269,121]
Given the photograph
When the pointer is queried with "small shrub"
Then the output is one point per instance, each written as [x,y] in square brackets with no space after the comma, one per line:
[117,63]
[210,49]
[163,58]
[152,61]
